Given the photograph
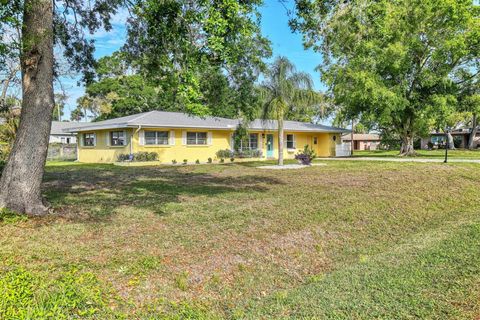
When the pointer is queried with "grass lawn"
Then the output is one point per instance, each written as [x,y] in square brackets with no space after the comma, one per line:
[358,240]
[459,153]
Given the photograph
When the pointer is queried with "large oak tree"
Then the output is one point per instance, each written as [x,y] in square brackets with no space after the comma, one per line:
[43,23]
[392,62]
[169,37]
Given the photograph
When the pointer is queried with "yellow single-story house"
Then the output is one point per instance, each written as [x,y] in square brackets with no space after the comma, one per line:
[178,136]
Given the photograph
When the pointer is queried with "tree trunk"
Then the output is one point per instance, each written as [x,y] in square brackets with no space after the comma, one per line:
[450,145]
[407,146]
[280,142]
[473,134]
[22,176]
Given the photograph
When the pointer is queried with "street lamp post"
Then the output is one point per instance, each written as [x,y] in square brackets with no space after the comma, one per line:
[447,145]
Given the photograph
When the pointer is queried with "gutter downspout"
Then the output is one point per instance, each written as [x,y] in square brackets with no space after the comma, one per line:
[131,140]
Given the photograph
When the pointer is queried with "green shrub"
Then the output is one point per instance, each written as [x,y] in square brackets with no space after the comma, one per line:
[145,156]
[222,160]
[138,156]
[306,155]
[185,161]
[210,160]
[2,165]
[174,161]
[248,154]
[197,161]
[123,157]
[224,154]
[232,159]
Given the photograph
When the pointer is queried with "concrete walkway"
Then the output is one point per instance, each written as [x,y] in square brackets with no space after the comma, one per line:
[391,159]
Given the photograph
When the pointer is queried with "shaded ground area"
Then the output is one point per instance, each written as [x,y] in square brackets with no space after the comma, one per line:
[368,239]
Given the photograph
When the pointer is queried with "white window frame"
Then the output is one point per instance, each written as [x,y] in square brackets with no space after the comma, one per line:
[110,137]
[196,138]
[292,141]
[249,142]
[84,136]
[156,143]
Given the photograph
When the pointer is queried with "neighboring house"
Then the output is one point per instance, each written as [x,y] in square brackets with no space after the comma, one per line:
[178,136]
[58,135]
[460,138]
[363,141]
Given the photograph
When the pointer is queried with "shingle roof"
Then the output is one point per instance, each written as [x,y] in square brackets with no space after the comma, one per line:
[182,120]
[58,127]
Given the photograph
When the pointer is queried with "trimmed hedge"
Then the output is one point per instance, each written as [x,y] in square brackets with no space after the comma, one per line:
[138,157]
[228,154]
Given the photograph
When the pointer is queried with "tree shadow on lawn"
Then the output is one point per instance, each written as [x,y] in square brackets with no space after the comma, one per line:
[95,193]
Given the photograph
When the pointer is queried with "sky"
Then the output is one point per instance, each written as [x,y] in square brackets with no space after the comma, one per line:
[274,25]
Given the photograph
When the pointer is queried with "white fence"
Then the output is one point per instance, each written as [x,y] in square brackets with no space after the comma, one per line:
[343,150]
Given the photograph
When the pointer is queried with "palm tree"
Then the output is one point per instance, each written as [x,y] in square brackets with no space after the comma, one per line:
[283,89]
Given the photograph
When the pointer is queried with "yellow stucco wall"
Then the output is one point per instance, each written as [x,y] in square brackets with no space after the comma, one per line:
[179,152]
[101,152]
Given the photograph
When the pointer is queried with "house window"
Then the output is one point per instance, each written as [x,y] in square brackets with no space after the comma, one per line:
[89,139]
[438,139]
[315,141]
[290,141]
[117,138]
[68,140]
[249,143]
[156,137]
[196,138]
[253,141]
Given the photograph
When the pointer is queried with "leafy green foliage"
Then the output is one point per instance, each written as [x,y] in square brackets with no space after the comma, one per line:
[203,57]
[248,154]
[393,65]
[224,154]
[228,154]
[138,156]
[240,136]
[8,131]
[8,216]
[283,90]
[26,295]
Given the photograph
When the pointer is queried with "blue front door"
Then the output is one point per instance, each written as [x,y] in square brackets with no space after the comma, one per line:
[269,145]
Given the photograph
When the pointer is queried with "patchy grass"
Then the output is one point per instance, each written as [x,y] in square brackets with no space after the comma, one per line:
[458,153]
[349,239]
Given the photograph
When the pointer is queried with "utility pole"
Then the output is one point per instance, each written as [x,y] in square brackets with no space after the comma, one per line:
[352,143]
